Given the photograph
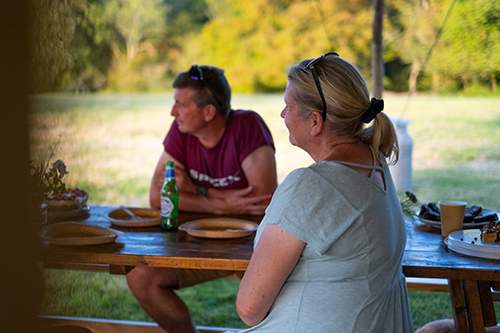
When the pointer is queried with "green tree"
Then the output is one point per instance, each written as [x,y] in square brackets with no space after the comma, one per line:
[52,30]
[256,41]
[91,56]
[133,28]
[413,25]
[471,44]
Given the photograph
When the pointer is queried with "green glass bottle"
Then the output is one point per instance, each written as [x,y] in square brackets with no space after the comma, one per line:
[169,200]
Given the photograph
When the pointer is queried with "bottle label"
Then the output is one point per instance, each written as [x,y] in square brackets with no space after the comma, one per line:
[170,173]
[167,206]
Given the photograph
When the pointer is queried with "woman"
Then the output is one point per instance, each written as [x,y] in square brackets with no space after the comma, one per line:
[328,253]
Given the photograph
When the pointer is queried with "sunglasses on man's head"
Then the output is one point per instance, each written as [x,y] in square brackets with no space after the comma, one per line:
[196,73]
[310,65]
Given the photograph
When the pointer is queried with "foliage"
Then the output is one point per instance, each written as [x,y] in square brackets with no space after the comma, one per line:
[52,31]
[256,41]
[134,45]
[409,204]
[45,181]
[471,44]
[133,29]
[91,55]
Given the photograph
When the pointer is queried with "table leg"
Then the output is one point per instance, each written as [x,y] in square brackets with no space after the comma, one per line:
[473,306]
[458,304]
[486,297]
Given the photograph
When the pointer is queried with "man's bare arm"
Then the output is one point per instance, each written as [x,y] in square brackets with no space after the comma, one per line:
[259,168]
[159,178]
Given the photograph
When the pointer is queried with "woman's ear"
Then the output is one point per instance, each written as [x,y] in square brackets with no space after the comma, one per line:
[316,123]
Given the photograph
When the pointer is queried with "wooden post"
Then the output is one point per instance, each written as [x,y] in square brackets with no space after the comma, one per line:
[20,281]
[377,48]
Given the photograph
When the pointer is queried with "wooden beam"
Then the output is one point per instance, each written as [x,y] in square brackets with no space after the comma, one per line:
[97,325]
[377,48]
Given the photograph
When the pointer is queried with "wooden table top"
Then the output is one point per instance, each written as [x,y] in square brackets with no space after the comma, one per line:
[150,246]
[425,255]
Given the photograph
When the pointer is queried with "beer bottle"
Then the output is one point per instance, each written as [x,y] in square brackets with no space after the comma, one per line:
[169,200]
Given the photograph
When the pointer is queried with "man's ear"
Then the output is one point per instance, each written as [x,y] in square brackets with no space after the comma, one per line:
[316,123]
[210,111]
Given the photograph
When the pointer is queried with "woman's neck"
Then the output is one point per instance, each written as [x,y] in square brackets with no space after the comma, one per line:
[333,148]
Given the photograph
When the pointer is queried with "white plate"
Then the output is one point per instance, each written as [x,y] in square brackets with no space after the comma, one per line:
[437,224]
[66,214]
[74,233]
[148,217]
[219,228]
[469,242]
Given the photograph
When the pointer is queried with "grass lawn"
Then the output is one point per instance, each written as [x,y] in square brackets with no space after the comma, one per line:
[111,143]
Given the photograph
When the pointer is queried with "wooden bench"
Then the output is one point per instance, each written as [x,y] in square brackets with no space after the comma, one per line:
[118,326]
[424,284]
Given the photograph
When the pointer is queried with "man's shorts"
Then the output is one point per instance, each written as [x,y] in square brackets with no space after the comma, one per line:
[191,277]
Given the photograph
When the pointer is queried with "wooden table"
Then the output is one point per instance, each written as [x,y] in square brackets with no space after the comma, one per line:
[470,278]
[425,256]
[149,246]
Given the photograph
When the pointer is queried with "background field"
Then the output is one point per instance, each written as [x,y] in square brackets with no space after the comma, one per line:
[111,143]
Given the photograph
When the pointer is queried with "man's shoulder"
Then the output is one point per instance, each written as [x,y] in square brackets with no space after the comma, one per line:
[246,117]
[244,113]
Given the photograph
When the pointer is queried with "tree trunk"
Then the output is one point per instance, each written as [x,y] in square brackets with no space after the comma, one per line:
[435,81]
[377,49]
[493,82]
[415,70]
[465,82]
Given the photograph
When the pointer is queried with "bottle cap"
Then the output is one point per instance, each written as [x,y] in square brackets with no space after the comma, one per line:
[169,170]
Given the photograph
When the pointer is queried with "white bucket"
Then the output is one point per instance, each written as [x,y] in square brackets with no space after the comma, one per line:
[402,171]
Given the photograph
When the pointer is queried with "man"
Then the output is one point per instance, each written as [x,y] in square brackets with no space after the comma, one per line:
[225,164]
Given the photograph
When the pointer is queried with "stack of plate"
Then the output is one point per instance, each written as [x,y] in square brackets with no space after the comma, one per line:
[219,228]
[144,217]
[469,242]
[54,215]
[74,233]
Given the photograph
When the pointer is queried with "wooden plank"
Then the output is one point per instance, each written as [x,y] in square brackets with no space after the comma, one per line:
[76,266]
[97,325]
[119,270]
[423,284]
[458,305]
[473,304]
[487,306]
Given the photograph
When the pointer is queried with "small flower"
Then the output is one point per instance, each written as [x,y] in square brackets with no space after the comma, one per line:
[409,204]
[412,197]
[45,181]
[59,169]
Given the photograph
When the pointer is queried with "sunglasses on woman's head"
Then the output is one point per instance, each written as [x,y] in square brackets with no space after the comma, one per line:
[310,65]
[196,73]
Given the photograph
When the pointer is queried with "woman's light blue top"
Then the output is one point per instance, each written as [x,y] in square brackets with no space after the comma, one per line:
[349,276]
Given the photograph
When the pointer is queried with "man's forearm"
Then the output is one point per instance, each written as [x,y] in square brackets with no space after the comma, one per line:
[191,202]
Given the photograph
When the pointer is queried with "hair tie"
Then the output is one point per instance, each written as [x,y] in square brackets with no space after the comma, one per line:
[376,106]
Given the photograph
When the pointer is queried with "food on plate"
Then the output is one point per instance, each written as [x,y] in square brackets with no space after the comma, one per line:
[430,211]
[473,214]
[489,232]
[70,199]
